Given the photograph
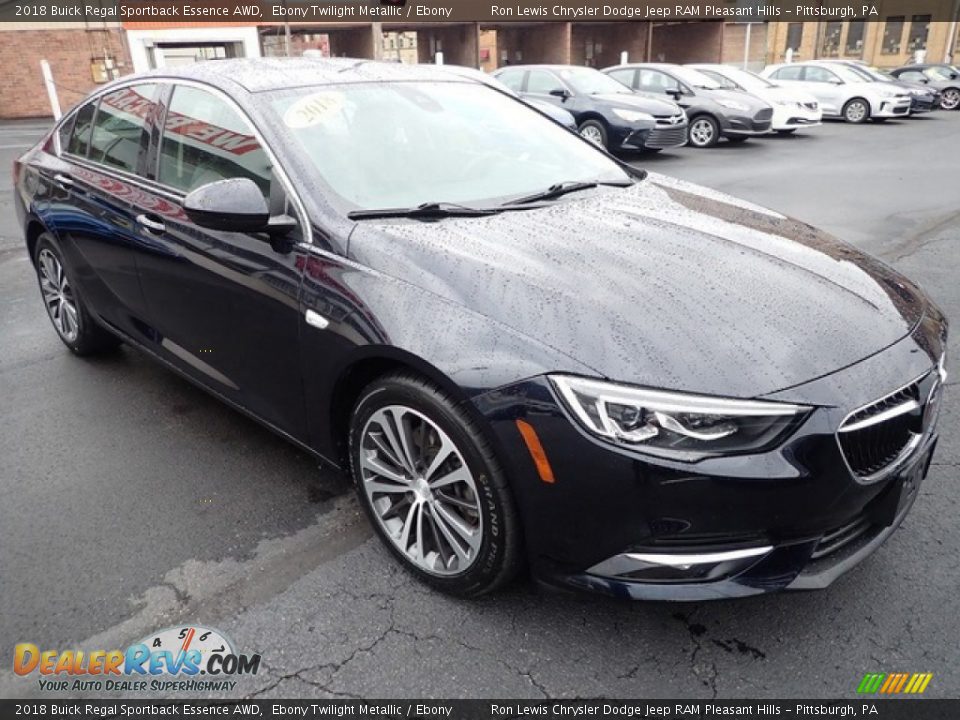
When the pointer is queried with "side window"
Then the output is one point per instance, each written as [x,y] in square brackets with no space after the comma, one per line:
[625,76]
[205,140]
[513,79]
[818,74]
[656,81]
[541,82]
[63,134]
[80,133]
[119,127]
[790,72]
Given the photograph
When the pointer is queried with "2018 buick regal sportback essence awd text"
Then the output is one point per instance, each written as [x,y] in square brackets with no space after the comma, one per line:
[525,352]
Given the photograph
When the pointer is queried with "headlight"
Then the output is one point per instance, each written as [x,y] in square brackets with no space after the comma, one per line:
[675,425]
[734,105]
[632,115]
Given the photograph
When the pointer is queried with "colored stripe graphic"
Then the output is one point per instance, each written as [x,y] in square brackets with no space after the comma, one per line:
[894,683]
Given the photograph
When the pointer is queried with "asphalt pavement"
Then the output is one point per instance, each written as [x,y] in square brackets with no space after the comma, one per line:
[131,501]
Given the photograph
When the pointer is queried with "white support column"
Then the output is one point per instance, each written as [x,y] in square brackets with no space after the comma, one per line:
[51,89]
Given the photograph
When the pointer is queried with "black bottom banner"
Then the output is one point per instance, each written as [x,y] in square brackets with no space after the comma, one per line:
[885,709]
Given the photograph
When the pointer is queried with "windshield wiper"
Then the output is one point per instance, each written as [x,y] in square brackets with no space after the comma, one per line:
[423,210]
[562,188]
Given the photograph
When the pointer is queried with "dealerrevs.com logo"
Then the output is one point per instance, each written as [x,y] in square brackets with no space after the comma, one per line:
[187,659]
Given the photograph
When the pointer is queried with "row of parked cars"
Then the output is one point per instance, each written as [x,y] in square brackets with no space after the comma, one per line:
[654,106]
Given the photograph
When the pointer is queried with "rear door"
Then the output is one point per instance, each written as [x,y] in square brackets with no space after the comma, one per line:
[102,159]
[223,305]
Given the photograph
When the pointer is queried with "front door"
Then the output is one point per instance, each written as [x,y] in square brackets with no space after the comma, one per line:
[223,305]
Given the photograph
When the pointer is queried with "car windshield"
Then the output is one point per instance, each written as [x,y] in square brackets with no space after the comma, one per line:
[938,73]
[864,73]
[850,75]
[746,79]
[592,82]
[694,78]
[404,144]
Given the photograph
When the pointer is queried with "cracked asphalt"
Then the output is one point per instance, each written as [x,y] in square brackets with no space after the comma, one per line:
[131,501]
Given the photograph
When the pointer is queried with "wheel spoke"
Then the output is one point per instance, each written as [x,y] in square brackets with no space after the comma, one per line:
[452,541]
[456,523]
[407,526]
[403,434]
[446,447]
[373,464]
[457,502]
[380,487]
[454,476]
[384,448]
[386,422]
[420,538]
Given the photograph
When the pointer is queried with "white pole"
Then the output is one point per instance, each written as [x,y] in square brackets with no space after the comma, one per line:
[438,57]
[51,89]
[624,57]
[746,48]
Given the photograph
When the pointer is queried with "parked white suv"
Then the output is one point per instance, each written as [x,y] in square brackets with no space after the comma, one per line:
[842,92]
[792,107]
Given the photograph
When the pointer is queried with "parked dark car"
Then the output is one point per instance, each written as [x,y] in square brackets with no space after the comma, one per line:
[606,113]
[923,97]
[945,78]
[521,349]
[712,111]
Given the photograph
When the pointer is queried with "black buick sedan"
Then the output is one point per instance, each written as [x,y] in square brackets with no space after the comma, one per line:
[523,351]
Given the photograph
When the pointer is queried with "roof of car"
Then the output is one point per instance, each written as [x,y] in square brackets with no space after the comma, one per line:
[258,74]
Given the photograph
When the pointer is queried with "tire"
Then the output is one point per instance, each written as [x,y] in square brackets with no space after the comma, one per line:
[950,99]
[703,132]
[856,111]
[419,524]
[64,302]
[594,131]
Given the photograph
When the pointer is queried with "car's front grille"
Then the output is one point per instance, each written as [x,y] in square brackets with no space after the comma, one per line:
[874,437]
[666,136]
[762,115]
[841,537]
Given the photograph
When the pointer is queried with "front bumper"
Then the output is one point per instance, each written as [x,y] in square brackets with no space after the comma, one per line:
[890,108]
[662,135]
[632,525]
[793,117]
[924,104]
[746,125]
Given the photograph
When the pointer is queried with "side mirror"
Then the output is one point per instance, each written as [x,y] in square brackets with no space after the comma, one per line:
[560,93]
[835,81]
[675,93]
[954,76]
[233,205]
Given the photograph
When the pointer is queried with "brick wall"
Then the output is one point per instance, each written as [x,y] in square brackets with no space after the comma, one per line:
[69,51]
[687,42]
[734,40]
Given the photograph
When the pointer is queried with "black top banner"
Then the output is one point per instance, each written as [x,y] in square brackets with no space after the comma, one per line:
[504,11]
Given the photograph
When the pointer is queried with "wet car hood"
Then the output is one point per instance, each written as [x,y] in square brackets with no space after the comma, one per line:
[663,284]
[752,101]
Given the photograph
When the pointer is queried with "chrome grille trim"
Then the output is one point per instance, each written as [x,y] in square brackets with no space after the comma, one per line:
[876,439]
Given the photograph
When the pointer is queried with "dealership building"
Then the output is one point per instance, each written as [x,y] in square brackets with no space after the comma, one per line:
[84,55]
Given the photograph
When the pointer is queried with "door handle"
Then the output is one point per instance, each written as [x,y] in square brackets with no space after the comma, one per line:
[152,225]
[64,181]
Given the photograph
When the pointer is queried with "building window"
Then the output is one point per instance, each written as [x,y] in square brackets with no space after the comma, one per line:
[893,35]
[855,37]
[794,36]
[831,39]
[919,27]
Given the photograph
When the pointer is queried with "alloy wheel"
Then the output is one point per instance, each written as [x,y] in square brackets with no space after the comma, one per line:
[701,132]
[856,112]
[58,296]
[422,492]
[593,134]
[950,99]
